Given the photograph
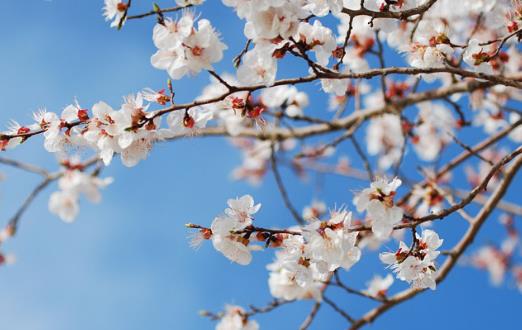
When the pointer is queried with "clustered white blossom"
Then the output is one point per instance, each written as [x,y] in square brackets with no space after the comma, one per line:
[377,201]
[184,49]
[72,185]
[416,265]
[307,260]
[236,319]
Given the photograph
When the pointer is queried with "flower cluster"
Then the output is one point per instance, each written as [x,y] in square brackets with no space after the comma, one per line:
[74,183]
[184,49]
[377,201]
[416,265]
[235,318]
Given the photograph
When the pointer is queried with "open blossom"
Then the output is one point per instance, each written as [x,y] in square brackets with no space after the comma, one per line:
[225,240]
[331,243]
[417,266]
[477,57]
[235,318]
[314,211]
[184,49]
[426,200]
[225,228]
[286,97]
[384,137]
[431,46]
[434,131]
[323,7]
[59,134]
[294,275]
[242,209]
[73,184]
[378,286]
[113,10]
[258,66]
[319,39]
[278,19]
[256,155]
[493,260]
[188,121]
[378,202]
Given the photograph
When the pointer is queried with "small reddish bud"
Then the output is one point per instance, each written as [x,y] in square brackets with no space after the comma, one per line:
[83,115]
[338,52]
[206,233]
[238,103]
[256,111]
[188,121]
[262,236]
[121,6]
[23,130]
[512,27]
[503,56]
[279,53]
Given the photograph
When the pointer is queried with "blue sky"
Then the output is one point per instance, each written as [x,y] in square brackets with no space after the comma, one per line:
[125,263]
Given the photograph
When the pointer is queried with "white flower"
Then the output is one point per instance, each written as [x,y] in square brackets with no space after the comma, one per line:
[293,275]
[331,243]
[184,49]
[64,204]
[104,130]
[114,10]
[189,121]
[73,184]
[323,7]
[384,137]
[417,266]
[231,245]
[242,209]
[378,202]
[477,58]
[235,319]
[378,286]
[493,260]
[314,211]
[319,39]
[256,155]
[258,66]
[287,97]
[435,130]
[426,200]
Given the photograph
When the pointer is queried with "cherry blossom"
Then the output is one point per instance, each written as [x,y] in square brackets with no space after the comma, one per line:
[378,202]
[314,211]
[114,10]
[236,319]
[293,275]
[74,183]
[242,208]
[185,49]
[416,266]
[384,138]
[378,286]
[233,246]
[331,243]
